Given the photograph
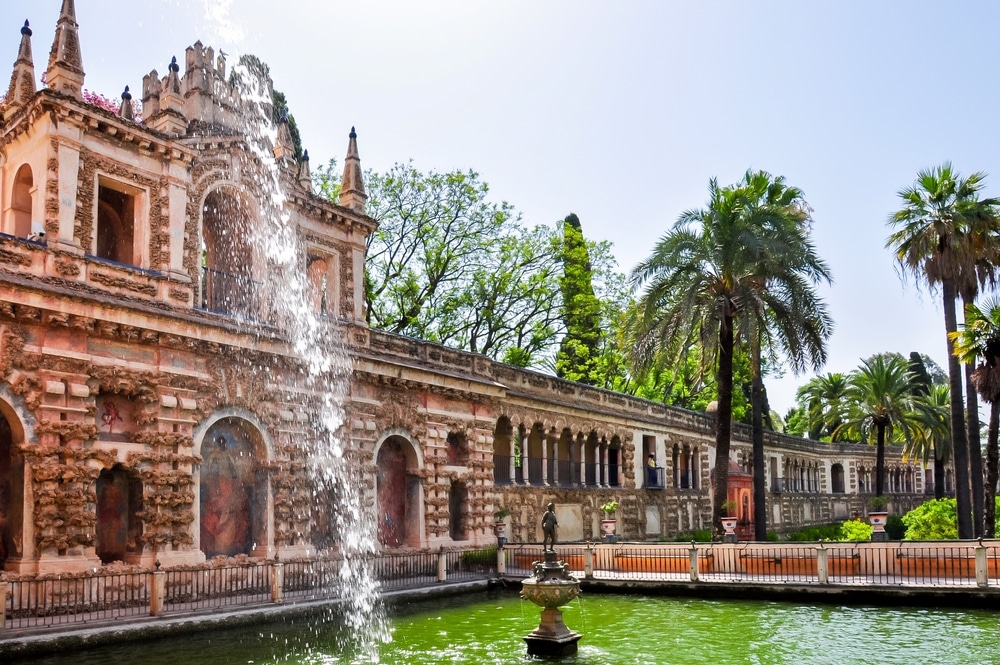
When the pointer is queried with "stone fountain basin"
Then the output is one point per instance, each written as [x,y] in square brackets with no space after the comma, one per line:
[550,593]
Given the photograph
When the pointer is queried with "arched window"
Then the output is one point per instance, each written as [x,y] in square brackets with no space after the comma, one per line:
[227,255]
[837,479]
[20,202]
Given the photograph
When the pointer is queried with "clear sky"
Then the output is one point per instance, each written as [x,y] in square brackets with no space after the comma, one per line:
[619,112]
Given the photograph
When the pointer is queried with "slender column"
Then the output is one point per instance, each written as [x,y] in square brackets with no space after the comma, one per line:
[525,463]
[545,456]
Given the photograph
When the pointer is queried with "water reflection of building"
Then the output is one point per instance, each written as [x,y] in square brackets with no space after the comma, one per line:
[131,428]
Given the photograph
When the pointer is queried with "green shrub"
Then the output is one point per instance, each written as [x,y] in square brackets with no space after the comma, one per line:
[936,519]
[855,531]
[485,556]
[895,527]
[698,535]
[814,533]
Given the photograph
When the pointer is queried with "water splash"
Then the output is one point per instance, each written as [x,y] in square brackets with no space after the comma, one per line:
[322,375]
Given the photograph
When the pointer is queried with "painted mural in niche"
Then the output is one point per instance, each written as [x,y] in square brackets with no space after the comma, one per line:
[6,448]
[116,417]
[228,491]
[391,490]
[119,501]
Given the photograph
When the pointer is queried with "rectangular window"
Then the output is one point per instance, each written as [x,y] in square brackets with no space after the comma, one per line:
[119,234]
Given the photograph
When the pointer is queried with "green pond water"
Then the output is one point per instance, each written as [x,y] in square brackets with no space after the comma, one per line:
[616,629]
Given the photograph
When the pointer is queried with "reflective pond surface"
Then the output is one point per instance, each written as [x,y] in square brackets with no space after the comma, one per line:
[616,629]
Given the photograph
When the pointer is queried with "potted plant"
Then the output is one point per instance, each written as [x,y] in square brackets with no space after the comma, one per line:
[729,519]
[608,524]
[878,515]
[500,522]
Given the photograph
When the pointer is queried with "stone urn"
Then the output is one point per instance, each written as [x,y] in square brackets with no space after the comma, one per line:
[729,526]
[878,519]
[550,588]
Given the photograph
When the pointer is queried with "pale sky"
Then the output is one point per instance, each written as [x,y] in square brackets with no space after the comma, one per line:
[619,112]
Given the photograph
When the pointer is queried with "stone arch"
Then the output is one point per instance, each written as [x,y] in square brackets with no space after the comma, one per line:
[227,218]
[119,503]
[20,202]
[398,490]
[234,507]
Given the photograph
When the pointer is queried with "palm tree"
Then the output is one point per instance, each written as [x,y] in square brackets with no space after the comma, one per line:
[879,403]
[941,232]
[932,437]
[739,270]
[979,339]
[937,426]
[821,396]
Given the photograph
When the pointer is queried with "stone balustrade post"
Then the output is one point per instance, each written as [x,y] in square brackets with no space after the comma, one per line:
[982,569]
[588,562]
[442,565]
[823,564]
[157,592]
[277,580]
[3,605]
[693,552]
[501,561]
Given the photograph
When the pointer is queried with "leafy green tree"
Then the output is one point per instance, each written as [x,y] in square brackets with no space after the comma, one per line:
[938,236]
[879,403]
[448,265]
[731,271]
[978,340]
[578,356]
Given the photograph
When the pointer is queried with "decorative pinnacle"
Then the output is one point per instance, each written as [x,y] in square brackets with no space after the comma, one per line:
[126,94]
[353,134]
[305,155]
[174,67]
[26,30]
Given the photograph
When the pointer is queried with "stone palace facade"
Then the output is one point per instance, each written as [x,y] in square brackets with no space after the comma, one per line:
[133,427]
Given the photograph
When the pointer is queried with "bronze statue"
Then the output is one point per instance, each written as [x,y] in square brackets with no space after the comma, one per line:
[549,524]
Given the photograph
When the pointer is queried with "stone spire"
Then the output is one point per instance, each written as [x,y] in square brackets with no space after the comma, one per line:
[22,79]
[125,110]
[65,72]
[352,187]
[285,148]
[305,176]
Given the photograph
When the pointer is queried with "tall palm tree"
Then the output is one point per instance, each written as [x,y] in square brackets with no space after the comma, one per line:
[821,396]
[880,403]
[739,270]
[939,236]
[979,340]
[932,437]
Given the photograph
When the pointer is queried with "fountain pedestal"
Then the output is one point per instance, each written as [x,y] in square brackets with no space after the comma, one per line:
[551,587]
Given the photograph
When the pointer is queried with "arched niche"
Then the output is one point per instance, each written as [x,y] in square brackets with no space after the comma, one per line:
[233,489]
[398,492]
[119,503]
